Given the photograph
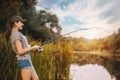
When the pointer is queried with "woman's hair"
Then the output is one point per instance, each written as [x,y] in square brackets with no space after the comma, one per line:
[9,26]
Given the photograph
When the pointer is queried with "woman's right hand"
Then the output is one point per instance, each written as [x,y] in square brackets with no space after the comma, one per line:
[35,48]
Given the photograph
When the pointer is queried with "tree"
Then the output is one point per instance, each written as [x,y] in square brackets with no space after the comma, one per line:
[35,23]
[7,9]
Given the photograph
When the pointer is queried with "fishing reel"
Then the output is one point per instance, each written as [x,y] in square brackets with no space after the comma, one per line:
[40,50]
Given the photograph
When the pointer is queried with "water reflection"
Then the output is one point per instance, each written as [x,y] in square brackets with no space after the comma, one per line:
[89,72]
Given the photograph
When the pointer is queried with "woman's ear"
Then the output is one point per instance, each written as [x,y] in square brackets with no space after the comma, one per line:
[15,23]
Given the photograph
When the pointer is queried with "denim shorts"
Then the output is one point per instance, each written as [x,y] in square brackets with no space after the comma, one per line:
[24,64]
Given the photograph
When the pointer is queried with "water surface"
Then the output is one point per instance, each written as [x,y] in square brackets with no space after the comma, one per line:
[89,72]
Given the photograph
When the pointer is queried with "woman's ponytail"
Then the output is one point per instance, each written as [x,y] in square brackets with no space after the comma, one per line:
[8,30]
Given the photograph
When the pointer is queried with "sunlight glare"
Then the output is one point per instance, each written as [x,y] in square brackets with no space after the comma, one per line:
[95,34]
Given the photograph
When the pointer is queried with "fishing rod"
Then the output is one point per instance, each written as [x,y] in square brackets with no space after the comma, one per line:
[56,38]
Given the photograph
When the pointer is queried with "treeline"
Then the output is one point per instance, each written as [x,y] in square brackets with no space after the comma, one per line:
[110,43]
[40,24]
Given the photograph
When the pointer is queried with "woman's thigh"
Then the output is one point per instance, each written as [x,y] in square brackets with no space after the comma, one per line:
[34,74]
[26,73]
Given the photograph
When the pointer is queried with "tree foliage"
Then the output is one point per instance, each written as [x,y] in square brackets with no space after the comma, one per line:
[110,43]
[36,22]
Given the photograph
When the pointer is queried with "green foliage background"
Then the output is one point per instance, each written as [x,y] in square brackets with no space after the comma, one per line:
[36,20]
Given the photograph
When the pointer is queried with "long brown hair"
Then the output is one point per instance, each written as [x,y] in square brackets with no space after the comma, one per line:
[9,26]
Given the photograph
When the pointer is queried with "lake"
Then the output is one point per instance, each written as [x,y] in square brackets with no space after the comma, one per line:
[89,72]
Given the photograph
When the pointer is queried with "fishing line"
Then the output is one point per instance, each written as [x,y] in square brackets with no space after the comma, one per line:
[56,38]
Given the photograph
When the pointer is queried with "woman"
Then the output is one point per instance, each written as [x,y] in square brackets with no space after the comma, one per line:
[22,48]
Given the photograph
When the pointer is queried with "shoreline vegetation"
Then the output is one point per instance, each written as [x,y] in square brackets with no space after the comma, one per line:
[54,62]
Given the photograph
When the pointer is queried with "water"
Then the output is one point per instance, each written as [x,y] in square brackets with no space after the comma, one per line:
[89,72]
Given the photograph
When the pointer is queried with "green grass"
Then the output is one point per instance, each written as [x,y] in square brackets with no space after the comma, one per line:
[52,64]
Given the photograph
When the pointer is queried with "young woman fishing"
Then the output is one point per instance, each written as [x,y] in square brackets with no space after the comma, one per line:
[22,48]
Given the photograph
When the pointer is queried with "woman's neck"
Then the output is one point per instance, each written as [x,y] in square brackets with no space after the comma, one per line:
[15,29]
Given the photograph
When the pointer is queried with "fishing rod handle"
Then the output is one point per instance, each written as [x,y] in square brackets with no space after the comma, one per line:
[40,50]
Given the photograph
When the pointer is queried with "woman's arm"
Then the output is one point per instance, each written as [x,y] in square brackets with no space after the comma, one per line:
[24,51]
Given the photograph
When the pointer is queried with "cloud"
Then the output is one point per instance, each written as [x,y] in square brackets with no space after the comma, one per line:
[90,33]
[94,13]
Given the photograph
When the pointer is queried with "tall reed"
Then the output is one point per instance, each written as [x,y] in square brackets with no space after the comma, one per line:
[8,66]
[51,64]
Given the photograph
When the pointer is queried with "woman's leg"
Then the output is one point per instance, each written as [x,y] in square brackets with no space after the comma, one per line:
[26,73]
[34,74]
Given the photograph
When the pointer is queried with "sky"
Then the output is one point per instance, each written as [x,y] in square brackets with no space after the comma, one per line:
[101,16]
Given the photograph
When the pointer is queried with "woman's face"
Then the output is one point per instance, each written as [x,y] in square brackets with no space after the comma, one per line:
[19,25]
